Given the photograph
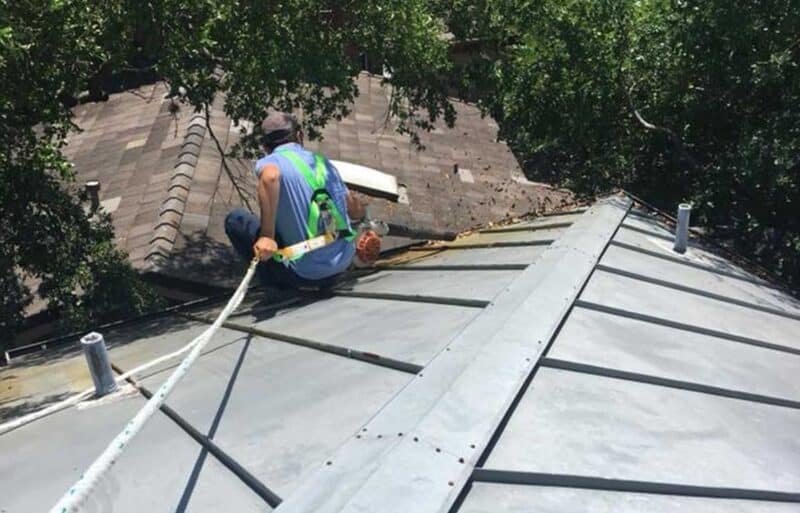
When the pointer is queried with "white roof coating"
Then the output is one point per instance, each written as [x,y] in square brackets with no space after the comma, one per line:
[568,364]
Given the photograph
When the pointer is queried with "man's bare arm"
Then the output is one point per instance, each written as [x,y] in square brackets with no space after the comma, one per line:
[268,190]
[355,209]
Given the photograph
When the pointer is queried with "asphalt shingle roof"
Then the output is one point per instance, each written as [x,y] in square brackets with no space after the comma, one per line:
[168,189]
[569,363]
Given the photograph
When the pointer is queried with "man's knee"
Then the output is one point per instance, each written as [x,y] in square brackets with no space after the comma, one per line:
[235,221]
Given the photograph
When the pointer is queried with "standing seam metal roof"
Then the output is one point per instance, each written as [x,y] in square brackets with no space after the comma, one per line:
[570,364]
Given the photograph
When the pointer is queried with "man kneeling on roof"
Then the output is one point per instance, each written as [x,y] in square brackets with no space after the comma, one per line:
[301,197]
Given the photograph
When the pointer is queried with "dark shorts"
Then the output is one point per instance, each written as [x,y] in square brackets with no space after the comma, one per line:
[243,228]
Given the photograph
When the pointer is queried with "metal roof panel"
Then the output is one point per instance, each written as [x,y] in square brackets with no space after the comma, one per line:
[649,299]
[578,424]
[395,329]
[289,406]
[492,497]
[482,285]
[614,342]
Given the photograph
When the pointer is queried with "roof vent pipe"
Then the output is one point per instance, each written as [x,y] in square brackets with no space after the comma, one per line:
[93,190]
[682,228]
[94,348]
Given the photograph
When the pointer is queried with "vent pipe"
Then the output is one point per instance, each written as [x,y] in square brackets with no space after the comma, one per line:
[682,228]
[92,188]
[94,348]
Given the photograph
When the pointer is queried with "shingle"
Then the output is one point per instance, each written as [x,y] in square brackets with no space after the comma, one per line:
[133,144]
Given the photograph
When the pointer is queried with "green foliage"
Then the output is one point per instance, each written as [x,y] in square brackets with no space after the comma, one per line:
[292,54]
[49,51]
[300,54]
[673,100]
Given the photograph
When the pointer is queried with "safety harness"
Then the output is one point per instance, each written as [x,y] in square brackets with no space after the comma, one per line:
[322,205]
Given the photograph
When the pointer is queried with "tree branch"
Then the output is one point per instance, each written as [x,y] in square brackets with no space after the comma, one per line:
[675,138]
[241,193]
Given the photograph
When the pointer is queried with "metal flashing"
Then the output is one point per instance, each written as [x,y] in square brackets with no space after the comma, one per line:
[526,228]
[575,211]
[583,368]
[456,267]
[515,256]
[595,338]
[484,245]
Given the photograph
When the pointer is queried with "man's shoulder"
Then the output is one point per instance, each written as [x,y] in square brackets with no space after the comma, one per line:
[262,162]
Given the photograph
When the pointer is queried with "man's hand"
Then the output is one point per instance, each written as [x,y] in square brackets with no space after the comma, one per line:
[355,209]
[264,248]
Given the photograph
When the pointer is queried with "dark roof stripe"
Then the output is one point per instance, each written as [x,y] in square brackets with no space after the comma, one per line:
[682,326]
[485,475]
[555,363]
[697,292]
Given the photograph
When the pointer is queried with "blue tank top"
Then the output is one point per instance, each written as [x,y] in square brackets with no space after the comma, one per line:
[292,214]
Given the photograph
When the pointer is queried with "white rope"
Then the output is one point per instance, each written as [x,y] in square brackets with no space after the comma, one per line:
[61,405]
[89,392]
[77,494]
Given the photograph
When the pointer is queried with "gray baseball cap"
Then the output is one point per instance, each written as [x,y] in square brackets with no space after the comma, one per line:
[278,126]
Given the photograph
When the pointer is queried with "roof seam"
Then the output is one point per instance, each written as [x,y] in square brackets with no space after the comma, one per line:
[651,233]
[695,265]
[249,480]
[353,354]
[485,245]
[607,372]
[732,255]
[454,267]
[685,327]
[484,475]
[527,228]
[697,292]
[529,378]
[413,298]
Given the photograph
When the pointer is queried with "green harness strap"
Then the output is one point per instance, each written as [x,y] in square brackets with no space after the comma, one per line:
[321,199]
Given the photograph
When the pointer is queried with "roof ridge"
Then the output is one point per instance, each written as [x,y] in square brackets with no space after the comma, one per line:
[170,214]
[429,470]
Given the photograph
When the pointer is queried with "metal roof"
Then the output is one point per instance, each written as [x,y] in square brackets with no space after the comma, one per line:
[573,363]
